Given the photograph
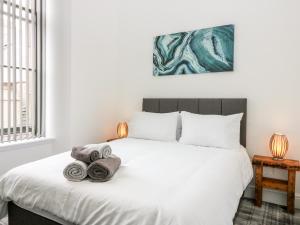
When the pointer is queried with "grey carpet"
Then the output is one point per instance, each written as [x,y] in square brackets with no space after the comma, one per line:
[248,214]
[267,214]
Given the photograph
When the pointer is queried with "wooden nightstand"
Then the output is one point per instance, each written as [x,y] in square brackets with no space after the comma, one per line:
[283,185]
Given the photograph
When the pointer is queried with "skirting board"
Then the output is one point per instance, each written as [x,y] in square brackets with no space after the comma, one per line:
[272,196]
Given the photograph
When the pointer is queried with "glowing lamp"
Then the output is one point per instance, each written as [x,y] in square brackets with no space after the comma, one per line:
[278,146]
[122,130]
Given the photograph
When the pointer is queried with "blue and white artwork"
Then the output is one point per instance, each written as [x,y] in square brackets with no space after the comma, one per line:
[194,52]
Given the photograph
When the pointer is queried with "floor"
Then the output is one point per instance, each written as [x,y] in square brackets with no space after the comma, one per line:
[268,214]
[248,214]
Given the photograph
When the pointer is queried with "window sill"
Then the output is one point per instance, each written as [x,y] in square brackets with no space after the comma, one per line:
[16,145]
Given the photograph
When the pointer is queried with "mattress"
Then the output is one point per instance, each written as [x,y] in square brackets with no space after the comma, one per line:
[158,183]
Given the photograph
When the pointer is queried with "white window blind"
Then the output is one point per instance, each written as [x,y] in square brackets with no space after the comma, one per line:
[20,70]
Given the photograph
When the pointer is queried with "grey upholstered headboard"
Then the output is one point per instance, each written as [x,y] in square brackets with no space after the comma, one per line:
[217,106]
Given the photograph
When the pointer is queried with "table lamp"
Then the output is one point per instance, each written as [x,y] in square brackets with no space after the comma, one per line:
[278,146]
[122,130]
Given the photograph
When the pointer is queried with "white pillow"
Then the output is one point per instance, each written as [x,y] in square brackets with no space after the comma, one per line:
[153,126]
[211,130]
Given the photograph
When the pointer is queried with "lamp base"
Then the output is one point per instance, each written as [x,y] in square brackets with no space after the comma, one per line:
[277,159]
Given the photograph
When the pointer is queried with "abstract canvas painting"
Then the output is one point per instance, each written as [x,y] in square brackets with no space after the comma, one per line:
[200,51]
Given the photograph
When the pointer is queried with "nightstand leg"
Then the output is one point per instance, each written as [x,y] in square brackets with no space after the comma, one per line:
[258,185]
[291,192]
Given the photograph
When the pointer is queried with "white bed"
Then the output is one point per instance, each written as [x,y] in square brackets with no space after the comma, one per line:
[158,183]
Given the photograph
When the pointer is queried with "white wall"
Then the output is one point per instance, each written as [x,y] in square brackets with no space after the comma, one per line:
[15,155]
[93,36]
[57,73]
[266,61]
[81,72]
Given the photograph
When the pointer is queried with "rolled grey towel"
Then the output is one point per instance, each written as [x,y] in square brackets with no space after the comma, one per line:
[91,153]
[103,149]
[76,171]
[103,169]
[84,154]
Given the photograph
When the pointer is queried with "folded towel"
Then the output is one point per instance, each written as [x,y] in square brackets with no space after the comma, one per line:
[76,171]
[103,149]
[91,153]
[103,169]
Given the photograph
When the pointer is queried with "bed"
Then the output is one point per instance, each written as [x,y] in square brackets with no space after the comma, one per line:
[158,183]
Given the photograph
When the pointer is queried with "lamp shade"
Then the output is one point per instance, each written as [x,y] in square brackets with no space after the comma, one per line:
[122,130]
[278,146]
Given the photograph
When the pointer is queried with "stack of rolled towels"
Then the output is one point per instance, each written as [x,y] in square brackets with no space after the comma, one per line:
[95,161]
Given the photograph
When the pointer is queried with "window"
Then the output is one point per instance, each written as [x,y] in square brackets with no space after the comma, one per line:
[20,70]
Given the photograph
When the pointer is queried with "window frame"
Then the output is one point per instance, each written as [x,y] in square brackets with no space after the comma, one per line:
[39,100]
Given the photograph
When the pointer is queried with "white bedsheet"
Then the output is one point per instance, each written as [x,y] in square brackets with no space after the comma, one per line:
[158,183]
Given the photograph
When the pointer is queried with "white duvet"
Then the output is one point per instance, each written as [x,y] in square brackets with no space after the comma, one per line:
[158,183]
